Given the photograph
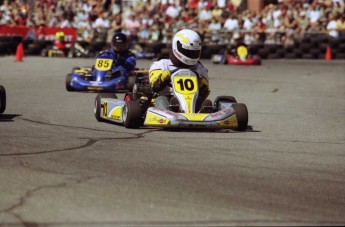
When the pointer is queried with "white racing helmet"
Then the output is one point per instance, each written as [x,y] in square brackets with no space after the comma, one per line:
[186,47]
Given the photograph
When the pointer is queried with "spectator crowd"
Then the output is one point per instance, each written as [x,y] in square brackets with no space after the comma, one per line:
[156,20]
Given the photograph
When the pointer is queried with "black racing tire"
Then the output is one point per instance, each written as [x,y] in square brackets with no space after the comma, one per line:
[70,53]
[131,114]
[131,81]
[223,98]
[241,112]
[44,53]
[68,82]
[2,99]
[97,107]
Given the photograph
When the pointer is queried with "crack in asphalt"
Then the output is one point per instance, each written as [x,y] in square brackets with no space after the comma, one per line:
[29,193]
[89,143]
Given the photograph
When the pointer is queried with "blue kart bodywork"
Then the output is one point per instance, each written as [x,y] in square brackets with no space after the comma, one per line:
[102,79]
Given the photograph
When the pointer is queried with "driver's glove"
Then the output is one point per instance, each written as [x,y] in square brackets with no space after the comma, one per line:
[159,79]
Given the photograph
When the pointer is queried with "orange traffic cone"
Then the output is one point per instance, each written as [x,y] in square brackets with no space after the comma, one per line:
[20,52]
[328,55]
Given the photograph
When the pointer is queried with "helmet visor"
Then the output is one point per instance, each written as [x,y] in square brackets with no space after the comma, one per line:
[192,54]
[120,46]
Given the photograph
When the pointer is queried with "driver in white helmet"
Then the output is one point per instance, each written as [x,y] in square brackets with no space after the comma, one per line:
[186,50]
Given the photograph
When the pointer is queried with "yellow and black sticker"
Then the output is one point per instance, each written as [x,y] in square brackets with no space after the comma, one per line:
[105,109]
[103,64]
[185,85]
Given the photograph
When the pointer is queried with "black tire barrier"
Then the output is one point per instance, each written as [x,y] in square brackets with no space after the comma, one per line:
[309,47]
[290,56]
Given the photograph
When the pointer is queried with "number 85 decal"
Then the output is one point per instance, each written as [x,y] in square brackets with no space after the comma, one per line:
[103,64]
[185,85]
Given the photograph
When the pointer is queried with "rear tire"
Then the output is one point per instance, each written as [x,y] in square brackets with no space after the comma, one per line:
[97,107]
[131,114]
[241,112]
[2,99]
[68,82]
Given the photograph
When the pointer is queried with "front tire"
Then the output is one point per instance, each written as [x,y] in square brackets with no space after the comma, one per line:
[131,81]
[241,112]
[98,106]
[68,82]
[131,114]
[2,99]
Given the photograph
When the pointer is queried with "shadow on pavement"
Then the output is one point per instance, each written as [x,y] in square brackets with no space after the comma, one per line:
[8,117]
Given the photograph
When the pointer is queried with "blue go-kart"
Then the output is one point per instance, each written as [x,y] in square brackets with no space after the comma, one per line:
[99,78]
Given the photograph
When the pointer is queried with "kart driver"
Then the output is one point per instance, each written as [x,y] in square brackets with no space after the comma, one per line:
[186,50]
[239,41]
[60,43]
[124,60]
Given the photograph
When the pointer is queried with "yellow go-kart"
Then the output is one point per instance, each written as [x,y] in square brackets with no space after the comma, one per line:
[137,109]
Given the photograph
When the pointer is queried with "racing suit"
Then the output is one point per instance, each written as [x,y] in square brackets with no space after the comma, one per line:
[123,62]
[159,77]
[60,45]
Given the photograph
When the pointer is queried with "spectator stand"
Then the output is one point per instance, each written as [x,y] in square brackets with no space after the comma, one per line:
[294,29]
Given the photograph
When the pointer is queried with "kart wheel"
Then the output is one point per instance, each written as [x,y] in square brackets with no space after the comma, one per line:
[97,107]
[70,54]
[223,99]
[68,82]
[44,53]
[241,112]
[2,99]
[131,114]
[224,60]
[131,82]
[129,96]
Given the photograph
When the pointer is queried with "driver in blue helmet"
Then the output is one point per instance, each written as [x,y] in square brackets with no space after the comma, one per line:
[124,60]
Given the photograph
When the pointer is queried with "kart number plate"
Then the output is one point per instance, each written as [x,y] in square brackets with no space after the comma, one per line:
[185,85]
[103,64]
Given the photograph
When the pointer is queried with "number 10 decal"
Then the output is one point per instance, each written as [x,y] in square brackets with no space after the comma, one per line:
[185,85]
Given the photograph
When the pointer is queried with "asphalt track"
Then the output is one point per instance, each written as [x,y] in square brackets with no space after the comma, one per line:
[60,167]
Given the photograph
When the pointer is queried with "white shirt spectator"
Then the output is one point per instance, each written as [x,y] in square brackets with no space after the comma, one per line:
[314,16]
[341,2]
[164,2]
[172,11]
[276,13]
[101,22]
[65,24]
[3,18]
[87,8]
[221,3]
[231,24]
[205,14]
[248,24]
[82,15]
[331,27]
[215,26]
